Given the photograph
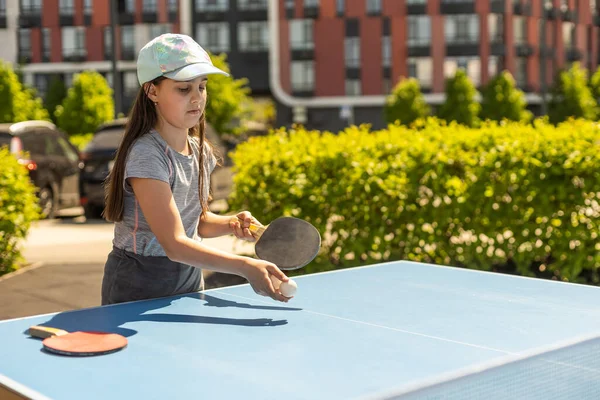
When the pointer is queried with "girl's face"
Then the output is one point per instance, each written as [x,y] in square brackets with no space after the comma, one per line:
[180,104]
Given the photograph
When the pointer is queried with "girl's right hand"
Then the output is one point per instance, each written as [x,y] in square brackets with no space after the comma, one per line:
[258,273]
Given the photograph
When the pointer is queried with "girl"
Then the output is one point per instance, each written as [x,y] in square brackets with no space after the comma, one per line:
[157,192]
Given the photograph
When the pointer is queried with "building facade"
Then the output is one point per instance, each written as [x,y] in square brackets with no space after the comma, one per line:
[349,48]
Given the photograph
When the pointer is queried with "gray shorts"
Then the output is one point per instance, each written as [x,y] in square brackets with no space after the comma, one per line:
[129,277]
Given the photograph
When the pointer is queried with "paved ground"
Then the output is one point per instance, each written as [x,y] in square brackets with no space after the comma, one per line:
[67,258]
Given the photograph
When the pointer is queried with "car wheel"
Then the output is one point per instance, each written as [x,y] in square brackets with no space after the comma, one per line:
[47,203]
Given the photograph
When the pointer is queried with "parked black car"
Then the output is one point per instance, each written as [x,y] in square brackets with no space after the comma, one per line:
[53,162]
[98,157]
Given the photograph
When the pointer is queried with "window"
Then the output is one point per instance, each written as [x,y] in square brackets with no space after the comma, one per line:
[416,1]
[496,28]
[3,8]
[340,5]
[25,44]
[593,7]
[253,36]
[353,87]
[127,42]
[213,36]
[494,66]
[290,4]
[301,34]
[159,29]
[31,7]
[421,68]
[73,42]
[149,6]
[471,65]
[252,4]
[130,6]
[520,29]
[41,84]
[419,30]
[172,5]
[461,28]
[66,7]
[386,86]
[88,7]
[311,3]
[107,42]
[46,47]
[373,6]
[386,51]
[568,33]
[302,76]
[130,83]
[212,5]
[352,52]
[521,72]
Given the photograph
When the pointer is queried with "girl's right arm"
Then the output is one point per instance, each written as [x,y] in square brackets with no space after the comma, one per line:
[156,201]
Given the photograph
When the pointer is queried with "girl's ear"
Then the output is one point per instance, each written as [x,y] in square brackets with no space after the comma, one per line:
[151,91]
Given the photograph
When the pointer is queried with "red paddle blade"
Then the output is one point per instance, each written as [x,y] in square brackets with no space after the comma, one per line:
[85,343]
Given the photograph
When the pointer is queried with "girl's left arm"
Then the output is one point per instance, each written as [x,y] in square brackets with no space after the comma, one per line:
[213,225]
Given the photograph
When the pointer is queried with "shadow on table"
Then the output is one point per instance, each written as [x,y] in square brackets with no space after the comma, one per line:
[111,318]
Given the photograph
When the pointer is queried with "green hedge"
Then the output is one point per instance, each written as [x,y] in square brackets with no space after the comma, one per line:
[506,197]
[18,208]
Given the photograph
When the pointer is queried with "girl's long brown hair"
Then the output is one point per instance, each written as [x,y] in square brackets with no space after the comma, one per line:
[142,119]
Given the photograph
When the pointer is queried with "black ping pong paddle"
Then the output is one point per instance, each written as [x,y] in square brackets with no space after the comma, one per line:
[288,242]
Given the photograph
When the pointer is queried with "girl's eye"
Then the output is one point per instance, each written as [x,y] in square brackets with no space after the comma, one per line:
[184,90]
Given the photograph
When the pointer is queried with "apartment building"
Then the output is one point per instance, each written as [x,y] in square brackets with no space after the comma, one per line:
[350,48]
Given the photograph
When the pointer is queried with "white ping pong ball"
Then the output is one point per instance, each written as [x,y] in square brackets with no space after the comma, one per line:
[288,289]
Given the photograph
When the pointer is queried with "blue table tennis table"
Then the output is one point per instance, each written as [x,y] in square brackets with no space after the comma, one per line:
[391,330]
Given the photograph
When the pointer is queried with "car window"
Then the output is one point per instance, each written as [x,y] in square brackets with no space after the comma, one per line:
[33,143]
[108,139]
[5,139]
[52,146]
[67,149]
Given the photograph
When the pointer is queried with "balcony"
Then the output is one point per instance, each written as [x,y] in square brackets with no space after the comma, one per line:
[253,11]
[149,16]
[523,50]
[303,54]
[497,6]
[457,7]
[66,17]
[419,49]
[497,49]
[569,15]
[30,17]
[24,57]
[462,46]
[76,55]
[126,18]
[416,9]
[520,8]
[573,54]
[552,13]
[311,11]
[211,15]
[2,21]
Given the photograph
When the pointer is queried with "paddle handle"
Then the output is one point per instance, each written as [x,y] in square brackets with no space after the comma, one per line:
[256,230]
[44,332]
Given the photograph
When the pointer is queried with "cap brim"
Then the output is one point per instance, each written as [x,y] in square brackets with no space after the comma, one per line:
[193,71]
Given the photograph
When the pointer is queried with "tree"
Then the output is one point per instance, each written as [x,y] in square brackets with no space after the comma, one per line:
[406,103]
[88,104]
[57,91]
[18,102]
[571,96]
[226,97]
[460,104]
[594,85]
[501,99]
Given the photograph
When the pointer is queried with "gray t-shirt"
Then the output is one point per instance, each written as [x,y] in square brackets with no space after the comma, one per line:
[151,157]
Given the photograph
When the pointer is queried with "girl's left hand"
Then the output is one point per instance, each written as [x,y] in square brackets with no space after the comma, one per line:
[240,225]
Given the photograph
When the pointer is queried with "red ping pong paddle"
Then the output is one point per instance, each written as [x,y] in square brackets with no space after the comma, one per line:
[288,242]
[59,341]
